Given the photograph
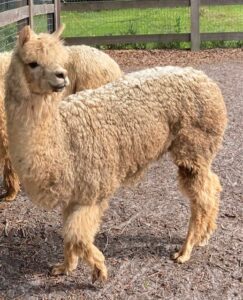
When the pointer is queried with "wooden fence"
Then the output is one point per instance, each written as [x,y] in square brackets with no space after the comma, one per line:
[27,10]
[194,36]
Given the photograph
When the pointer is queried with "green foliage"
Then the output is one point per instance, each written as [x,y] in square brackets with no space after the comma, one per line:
[178,24]
[221,44]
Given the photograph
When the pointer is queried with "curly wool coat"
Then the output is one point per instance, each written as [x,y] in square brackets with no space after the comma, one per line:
[95,140]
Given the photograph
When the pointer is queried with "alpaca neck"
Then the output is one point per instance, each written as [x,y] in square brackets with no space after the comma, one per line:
[32,119]
[27,110]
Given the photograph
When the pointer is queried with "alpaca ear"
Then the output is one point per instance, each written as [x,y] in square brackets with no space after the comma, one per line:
[25,35]
[59,31]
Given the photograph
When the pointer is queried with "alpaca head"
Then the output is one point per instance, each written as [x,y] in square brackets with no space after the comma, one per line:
[43,58]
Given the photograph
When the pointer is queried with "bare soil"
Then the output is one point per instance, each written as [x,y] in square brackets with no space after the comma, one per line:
[144,224]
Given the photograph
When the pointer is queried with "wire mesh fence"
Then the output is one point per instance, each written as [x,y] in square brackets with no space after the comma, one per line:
[41,22]
[213,18]
[11,4]
[43,1]
[8,34]
[126,21]
[44,23]
[221,18]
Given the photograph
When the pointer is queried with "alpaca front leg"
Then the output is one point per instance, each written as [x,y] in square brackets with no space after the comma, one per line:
[96,260]
[80,226]
[91,254]
[70,261]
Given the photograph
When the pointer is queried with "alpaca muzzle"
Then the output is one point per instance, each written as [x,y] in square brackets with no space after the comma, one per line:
[60,86]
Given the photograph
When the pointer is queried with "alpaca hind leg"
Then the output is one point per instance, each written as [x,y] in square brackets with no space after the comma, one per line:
[80,226]
[11,182]
[202,187]
[213,212]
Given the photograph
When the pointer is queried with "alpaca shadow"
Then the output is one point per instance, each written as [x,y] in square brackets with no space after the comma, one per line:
[26,264]
[136,246]
[34,255]
[30,253]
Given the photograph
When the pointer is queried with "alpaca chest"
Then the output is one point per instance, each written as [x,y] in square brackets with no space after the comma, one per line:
[40,166]
[47,184]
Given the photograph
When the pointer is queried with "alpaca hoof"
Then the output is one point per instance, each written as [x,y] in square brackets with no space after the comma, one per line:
[8,197]
[99,274]
[204,242]
[180,257]
[60,269]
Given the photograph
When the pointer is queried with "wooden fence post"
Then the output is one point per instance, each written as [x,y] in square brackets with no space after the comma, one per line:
[195,25]
[57,13]
[31,18]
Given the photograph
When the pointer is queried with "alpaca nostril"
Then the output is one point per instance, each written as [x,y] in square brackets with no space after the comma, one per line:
[60,75]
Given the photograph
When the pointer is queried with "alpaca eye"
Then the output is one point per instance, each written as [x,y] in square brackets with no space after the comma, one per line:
[33,64]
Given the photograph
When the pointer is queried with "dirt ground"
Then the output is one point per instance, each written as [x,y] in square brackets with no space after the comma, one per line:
[144,224]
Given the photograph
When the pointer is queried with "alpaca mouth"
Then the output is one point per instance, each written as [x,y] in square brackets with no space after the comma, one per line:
[58,88]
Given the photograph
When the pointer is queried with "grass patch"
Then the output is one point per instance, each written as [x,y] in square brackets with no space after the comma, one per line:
[40,23]
[154,21]
[151,21]
[126,21]
[8,37]
[226,18]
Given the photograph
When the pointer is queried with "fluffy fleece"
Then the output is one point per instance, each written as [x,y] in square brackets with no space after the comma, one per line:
[77,152]
[87,68]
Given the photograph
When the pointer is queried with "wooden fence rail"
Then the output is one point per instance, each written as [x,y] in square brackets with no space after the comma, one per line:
[110,5]
[29,11]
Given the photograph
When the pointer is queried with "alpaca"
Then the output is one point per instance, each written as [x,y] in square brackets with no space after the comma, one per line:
[77,152]
[10,178]
[87,68]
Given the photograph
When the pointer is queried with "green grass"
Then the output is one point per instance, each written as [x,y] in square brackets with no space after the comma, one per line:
[222,18]
[126,21]
[40,23]
[8,33]
[151,21]
[8,37]
[140,21]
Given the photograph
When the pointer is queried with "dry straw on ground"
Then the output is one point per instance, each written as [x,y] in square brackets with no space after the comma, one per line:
[137,241]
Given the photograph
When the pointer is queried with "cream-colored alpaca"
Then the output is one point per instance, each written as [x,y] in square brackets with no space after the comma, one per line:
[10,178]
[87,68]
[77,152]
